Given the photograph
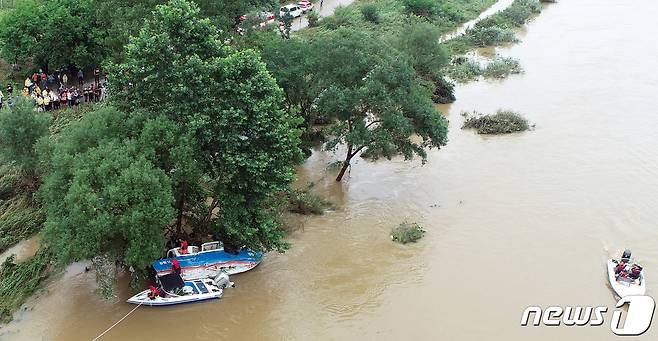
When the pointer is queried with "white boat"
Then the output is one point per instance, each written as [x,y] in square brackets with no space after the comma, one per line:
[625,286]
[176,291]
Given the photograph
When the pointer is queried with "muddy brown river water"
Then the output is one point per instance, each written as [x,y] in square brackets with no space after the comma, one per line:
[512,221]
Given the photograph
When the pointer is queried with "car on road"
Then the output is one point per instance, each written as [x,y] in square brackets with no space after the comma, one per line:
[292,9]
[263,18]
[305,5]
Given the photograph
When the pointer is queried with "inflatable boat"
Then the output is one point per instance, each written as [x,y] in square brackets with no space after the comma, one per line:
[623,282]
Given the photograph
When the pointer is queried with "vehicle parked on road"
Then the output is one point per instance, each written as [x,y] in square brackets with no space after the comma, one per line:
[306,6]
[292,9]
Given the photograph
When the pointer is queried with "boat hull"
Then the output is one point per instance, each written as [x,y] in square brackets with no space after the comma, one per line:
[625,289]
[207,264]
[211,291]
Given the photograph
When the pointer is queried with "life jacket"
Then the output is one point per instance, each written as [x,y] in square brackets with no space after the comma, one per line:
[620,267]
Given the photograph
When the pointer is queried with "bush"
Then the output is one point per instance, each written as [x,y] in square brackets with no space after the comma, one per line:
[491,36]
[515,15]
[464,70]
[344,16]
[502,67]
[304,201]
[370,13]
[502,122]
[422,8]
[407,233]
[313,19]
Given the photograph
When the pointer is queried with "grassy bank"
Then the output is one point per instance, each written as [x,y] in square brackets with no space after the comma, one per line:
[20,280]
[386,17]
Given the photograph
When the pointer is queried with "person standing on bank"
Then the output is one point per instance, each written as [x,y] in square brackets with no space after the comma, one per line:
[81,78]
[97,76]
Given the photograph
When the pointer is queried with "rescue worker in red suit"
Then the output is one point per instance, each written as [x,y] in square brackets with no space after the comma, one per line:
[175,266]
[620,267]
[183,247]
[155,292]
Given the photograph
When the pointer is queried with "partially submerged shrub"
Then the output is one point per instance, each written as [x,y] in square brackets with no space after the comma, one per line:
[515,15]
[502,67]
[304,201]
[444,91]
[491,36]
[370,13]
[502,122]
[464,70]
[407,233]
[106,276]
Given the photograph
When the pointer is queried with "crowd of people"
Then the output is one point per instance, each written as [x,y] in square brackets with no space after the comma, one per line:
[53,92]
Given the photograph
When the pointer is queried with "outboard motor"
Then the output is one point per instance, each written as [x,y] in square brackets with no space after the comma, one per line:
[626,257]
[223,280]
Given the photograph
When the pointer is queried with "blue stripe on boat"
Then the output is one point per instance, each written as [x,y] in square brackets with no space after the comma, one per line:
[202,287]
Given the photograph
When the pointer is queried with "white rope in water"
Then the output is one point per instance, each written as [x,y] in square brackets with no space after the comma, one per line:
[116,323]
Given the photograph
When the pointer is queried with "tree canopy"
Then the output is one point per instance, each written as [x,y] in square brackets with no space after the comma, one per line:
[229,105]
[21,127]
[369,91]
[103,194]
[53,33]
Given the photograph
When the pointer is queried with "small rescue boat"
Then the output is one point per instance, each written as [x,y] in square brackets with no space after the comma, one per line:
[173,290]
[624,282]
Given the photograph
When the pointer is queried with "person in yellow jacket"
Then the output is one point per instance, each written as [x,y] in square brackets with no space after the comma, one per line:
[40,103]
[25,92]
[28,84]
[46,101]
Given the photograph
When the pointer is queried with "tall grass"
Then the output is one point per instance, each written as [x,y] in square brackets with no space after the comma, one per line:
[19,280]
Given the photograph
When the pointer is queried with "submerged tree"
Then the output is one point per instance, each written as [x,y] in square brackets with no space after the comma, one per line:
[374,99]
[230,107]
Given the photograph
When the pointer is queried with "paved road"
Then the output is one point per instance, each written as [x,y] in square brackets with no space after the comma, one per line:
[328,8]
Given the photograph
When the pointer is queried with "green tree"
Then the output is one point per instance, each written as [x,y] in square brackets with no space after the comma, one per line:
[375,100]
[245,142]
[293,62]
[70,35]
[103,194]
[419,42]
[18,32]
[53,33]
[21,126]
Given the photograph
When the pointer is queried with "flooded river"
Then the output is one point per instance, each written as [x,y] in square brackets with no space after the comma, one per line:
[513,221]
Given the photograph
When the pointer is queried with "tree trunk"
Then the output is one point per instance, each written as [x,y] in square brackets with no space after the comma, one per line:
[180,205]
[346,165]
